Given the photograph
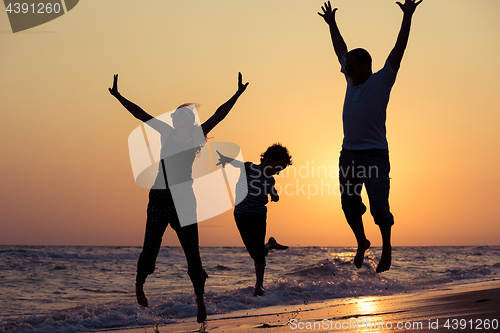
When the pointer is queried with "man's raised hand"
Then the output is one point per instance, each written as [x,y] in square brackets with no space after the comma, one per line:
[409,6]
[328,14]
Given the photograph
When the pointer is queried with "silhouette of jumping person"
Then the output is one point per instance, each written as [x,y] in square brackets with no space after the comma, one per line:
[364,158]
[250,213]
[179,146]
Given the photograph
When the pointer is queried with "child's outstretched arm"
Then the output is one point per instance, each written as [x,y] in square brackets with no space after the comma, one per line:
[223,160]
[224,109]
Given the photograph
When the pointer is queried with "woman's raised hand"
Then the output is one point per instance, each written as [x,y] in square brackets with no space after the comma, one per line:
[241,86]
[114,91]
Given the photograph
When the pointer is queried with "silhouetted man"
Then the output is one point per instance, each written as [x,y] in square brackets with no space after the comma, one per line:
[365,156]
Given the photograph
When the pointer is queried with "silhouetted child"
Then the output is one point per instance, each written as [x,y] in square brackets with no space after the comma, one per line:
[250,212]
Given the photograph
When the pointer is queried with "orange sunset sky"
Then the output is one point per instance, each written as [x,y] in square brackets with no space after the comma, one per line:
[66,177]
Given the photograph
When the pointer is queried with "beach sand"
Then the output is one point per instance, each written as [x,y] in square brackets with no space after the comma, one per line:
[467,308]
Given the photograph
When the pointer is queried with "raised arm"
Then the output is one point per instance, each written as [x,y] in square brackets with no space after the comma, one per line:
[397,52]
[328,15]
[223,160]
[134,109]
[224,109]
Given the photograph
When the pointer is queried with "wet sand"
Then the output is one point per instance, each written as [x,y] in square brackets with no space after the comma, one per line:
[467,308]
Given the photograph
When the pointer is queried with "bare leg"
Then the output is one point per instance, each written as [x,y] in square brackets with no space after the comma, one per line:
[259,274]
[201,317]
[141,297]
[363,243]
[385,259]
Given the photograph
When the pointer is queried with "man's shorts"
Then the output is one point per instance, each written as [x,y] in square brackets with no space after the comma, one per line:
[369,167]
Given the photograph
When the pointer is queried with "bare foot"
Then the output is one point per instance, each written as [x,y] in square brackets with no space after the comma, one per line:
[141,297]
[201,316]
[272,244]
[385,260]
[259,291]
[360,254]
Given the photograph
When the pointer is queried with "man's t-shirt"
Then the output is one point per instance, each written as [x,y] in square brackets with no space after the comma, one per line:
[365,108]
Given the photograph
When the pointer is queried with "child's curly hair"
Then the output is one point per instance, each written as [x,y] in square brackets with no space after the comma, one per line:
[276,152]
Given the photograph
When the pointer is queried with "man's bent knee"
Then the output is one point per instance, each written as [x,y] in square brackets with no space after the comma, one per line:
[384,221]
[353,211]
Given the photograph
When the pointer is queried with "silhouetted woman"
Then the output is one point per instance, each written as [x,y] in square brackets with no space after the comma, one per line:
[179,146]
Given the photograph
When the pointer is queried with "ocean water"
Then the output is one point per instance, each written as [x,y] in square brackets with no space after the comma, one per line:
[83,289]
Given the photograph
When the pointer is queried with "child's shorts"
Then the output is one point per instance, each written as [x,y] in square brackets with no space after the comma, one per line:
[252,229]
